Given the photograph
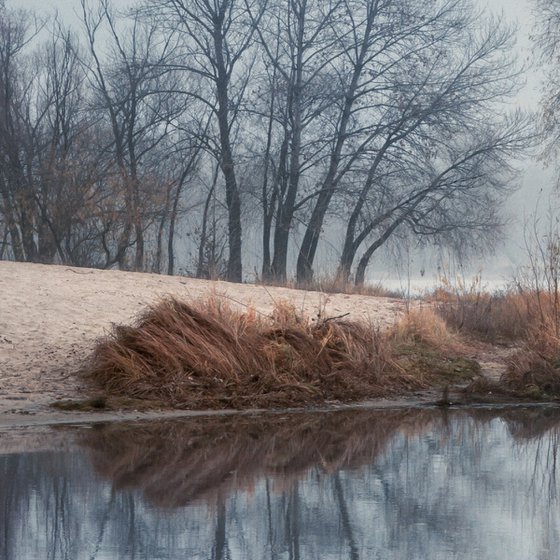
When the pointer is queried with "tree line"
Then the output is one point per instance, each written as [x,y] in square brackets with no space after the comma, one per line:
[213,120]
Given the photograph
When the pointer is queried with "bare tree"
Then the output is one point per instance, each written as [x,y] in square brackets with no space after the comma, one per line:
[17,29]
[454,199]
[298,51]
[216,37]
[131,93]
[420,89]
[547,13]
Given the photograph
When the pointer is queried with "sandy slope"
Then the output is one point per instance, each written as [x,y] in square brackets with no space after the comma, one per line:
[50,317]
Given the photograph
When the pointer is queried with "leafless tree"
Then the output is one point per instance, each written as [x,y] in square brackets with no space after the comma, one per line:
[131,93]
[298,51]
[216,37]
[547,15]
[17,29]
[420,88]
[176,124]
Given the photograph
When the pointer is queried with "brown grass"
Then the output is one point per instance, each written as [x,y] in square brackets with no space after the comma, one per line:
[207,354]
[423,325]
[429,350]
[334,285]
[534,371]
[500,317]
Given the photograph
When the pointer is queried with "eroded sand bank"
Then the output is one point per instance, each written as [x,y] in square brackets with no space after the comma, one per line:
[51,316]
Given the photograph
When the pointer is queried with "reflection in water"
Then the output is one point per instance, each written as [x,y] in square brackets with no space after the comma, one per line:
[345,485]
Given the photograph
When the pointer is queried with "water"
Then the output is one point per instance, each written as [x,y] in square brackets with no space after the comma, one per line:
[391,484]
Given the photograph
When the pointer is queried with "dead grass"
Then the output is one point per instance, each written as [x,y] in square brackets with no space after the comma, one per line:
[334,285]
[208,355]
[498,318]
[424,326]
[534,371]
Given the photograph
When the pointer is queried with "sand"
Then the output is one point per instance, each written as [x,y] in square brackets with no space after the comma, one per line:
[51,317]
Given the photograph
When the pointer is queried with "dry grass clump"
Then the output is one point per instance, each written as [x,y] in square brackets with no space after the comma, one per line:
[497,317]
[208,354]
[424,326]
[534,371]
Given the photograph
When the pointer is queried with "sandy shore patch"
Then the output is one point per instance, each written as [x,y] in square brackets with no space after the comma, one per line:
[51,316]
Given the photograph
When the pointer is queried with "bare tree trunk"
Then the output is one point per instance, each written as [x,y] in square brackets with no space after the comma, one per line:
[286,207]
[233,201]
[364,260]
[15,239]
[312,234]
[268,204]
[159,243]
[4,242]
[204,228]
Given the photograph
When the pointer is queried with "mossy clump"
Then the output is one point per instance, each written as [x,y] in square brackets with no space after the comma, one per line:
[435,367]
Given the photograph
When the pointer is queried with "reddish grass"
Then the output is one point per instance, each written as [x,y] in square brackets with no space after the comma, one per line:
[208,355]
[501,317]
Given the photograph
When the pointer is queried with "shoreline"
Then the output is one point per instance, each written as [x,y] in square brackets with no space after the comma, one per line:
[51,316]
[60,419]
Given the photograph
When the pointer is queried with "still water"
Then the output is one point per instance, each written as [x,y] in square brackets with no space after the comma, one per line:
[393,484]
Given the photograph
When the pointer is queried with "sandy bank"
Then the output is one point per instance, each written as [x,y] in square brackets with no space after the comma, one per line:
[50,317]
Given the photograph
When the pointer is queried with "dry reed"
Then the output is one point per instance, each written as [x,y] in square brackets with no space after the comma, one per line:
[208,354]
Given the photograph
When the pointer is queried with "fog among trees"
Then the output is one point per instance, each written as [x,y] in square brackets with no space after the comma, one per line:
[215,121]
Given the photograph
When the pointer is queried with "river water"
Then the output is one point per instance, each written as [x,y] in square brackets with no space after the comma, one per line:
[391,484]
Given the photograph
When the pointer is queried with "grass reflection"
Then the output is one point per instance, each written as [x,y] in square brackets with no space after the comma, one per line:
[174,463]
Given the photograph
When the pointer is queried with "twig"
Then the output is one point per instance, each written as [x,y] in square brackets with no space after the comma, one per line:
[79,272]
[335,318]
